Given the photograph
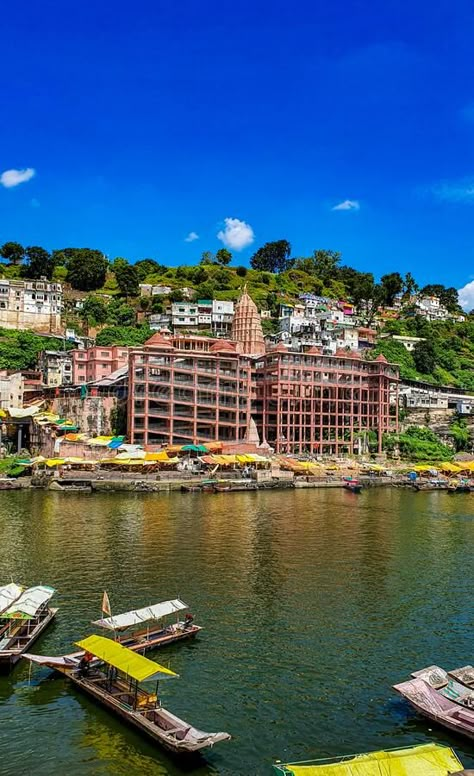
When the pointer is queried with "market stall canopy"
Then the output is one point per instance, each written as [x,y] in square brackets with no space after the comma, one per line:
[23,412]
[133,665]
[194,449]
[424,760]
[137,616]
[26,607]
[449,467]
[9,594]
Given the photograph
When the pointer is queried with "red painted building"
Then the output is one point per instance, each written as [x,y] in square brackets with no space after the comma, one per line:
[307,401]
[197,389]
[188,389]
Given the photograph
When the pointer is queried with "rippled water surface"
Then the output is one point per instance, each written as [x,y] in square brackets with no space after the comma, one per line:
[313,603]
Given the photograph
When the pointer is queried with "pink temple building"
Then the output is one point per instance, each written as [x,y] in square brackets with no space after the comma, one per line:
[310,402]
[95,363]
[187,389]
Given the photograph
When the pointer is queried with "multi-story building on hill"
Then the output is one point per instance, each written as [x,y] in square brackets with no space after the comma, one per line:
[56,367]
[311,402]
[91,364]
[30,304]
[189,389]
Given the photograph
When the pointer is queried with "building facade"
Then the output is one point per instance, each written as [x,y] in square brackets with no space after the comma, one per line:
[188,389]
[11,389]
[56,367]
[95,363]
[310,402]
[31,304]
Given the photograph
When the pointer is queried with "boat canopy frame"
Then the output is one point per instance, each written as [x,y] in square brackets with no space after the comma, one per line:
[141,616]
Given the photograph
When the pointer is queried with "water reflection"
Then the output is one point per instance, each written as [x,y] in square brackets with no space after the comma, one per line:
[313,604]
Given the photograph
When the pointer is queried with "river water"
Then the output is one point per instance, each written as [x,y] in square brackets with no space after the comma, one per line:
[313,602]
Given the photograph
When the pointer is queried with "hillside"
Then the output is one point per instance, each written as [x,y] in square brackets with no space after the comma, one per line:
[112,301]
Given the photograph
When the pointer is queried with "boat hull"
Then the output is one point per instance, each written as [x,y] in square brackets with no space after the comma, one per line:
[156,722]
[10,657]
[427,702]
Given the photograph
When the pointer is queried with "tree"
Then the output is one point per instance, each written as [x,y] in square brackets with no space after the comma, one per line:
[87,268]
[410,286]
[176,295]
[207,257]
[272,257]
[424,356]
[459,431]
[94,311]
[39,263]
[13,252]
[367,296]
[242,271]
[127,277]
[326,264]
[156,304]
[147,267]
[223,256]
[391,285]
[121,314]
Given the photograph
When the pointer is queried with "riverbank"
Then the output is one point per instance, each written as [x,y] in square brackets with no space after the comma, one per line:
[187,484]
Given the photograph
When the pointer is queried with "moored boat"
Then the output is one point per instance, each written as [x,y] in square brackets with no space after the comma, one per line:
[445,685]
[427,759]
[437,707]
[354,486]
[116,682]
[23,621]
[157,632]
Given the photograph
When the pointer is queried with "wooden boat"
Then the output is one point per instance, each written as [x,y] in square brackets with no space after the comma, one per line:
[461,488]
[156,634]
[354,486]
[445,685]
[427,759]
[22,622]
[116,683]
[437,707]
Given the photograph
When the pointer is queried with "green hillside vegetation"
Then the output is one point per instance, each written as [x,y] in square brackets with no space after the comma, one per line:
[19,349]
[274,277]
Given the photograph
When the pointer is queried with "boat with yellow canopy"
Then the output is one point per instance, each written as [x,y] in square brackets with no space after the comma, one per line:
[116,682]
[424,760]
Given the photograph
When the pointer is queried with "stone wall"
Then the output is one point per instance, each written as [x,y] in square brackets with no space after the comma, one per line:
[93,414]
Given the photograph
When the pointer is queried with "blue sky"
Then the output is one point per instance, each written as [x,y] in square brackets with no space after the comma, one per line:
[145,122]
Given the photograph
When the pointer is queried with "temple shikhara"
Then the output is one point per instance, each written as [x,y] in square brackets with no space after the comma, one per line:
[247,329]
[191,389]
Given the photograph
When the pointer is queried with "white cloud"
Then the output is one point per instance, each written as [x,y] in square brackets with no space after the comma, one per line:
[11,178]
[191,237]
[348,204]
[455,191]
[236,234]
[466,296]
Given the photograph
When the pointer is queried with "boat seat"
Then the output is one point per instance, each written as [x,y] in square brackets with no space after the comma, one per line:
[179,733]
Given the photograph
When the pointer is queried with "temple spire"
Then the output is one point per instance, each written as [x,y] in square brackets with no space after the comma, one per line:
[247,327]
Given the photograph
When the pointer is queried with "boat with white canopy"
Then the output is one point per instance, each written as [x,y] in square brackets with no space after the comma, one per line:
[8,595]
[113,675]
[24,619]
[157,632]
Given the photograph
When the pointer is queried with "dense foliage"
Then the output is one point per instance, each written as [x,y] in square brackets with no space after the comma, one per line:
[19,349]
[418,443]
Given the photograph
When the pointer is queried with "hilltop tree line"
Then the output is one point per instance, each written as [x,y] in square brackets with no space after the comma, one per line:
[86,270]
